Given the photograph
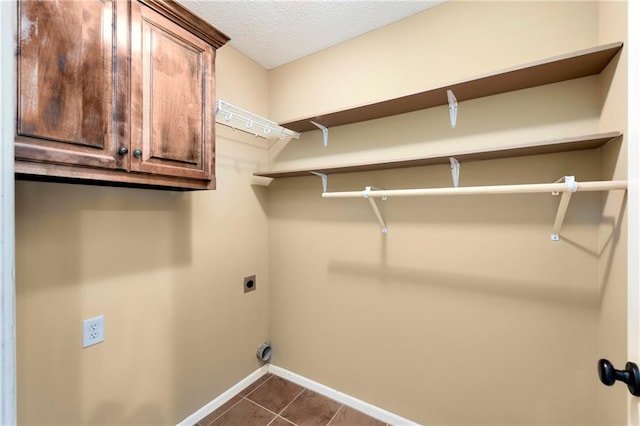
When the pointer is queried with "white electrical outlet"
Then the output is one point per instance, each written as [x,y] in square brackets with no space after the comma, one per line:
[92,331]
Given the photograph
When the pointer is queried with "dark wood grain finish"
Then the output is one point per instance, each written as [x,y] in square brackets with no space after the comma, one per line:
[97,76]
[172,98]
[65,81]
[559,68]
[188,21]
[122,83]
[516,150]
[30,170]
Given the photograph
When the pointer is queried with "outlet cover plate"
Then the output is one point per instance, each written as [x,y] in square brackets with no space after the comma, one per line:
[92,331]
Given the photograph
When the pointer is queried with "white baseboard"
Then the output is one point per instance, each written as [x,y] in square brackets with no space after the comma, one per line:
[355,403]
[364,407]
[224,397]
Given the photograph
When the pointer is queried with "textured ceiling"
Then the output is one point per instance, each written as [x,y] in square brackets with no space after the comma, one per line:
[273,32]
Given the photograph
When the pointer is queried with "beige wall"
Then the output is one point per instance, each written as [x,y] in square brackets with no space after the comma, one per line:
[164,268]
[612,233]
[463,314]
[456,40]
[466,312]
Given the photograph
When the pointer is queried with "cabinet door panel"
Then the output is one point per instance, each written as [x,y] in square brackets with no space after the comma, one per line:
[65,82]
[172,98]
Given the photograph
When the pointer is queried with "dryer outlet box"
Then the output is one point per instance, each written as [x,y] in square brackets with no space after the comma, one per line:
[249,283]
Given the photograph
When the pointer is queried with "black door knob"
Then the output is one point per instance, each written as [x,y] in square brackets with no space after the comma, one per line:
[137,153]
[123,150]
[630,375]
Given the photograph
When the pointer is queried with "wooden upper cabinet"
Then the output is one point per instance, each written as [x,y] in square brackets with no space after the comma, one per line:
[172,98]
[65,79]
[116,91]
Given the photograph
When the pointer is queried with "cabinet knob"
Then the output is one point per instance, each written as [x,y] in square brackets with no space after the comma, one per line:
[630,375]
[137,153]
[123,150]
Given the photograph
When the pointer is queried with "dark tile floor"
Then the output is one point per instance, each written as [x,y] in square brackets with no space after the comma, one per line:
[274,401]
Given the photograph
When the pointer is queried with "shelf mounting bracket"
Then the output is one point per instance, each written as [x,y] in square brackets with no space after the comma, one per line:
[325,180]
[455,171]
[453,108]
[374,207]
[325,133]
[572,186]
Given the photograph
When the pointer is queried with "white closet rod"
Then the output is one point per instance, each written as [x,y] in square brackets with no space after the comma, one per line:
[477,190]
[568,187]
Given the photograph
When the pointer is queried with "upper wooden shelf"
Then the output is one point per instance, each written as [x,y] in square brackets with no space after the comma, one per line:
[531,148]
[552,70]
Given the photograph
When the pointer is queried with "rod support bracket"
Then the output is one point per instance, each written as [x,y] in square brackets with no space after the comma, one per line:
[570,181]
[453,108]
[572,186]
[374,207]
[325,133]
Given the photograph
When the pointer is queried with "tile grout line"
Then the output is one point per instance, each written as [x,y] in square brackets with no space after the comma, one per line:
[280,417]
[281,411]
[258,387]
[240,400]
[294,398]
[224,412]
[277,415]
[261,406]
[287,406]
[264,408]
[336,413]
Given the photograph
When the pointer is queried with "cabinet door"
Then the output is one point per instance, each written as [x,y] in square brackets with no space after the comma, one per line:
[172,98]
[66,71]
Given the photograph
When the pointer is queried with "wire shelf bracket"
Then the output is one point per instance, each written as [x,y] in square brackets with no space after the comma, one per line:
[246,121]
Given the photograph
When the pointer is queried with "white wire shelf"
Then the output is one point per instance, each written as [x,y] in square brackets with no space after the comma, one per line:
[246,121]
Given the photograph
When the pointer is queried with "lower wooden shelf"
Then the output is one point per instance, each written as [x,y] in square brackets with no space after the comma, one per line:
[518,150]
